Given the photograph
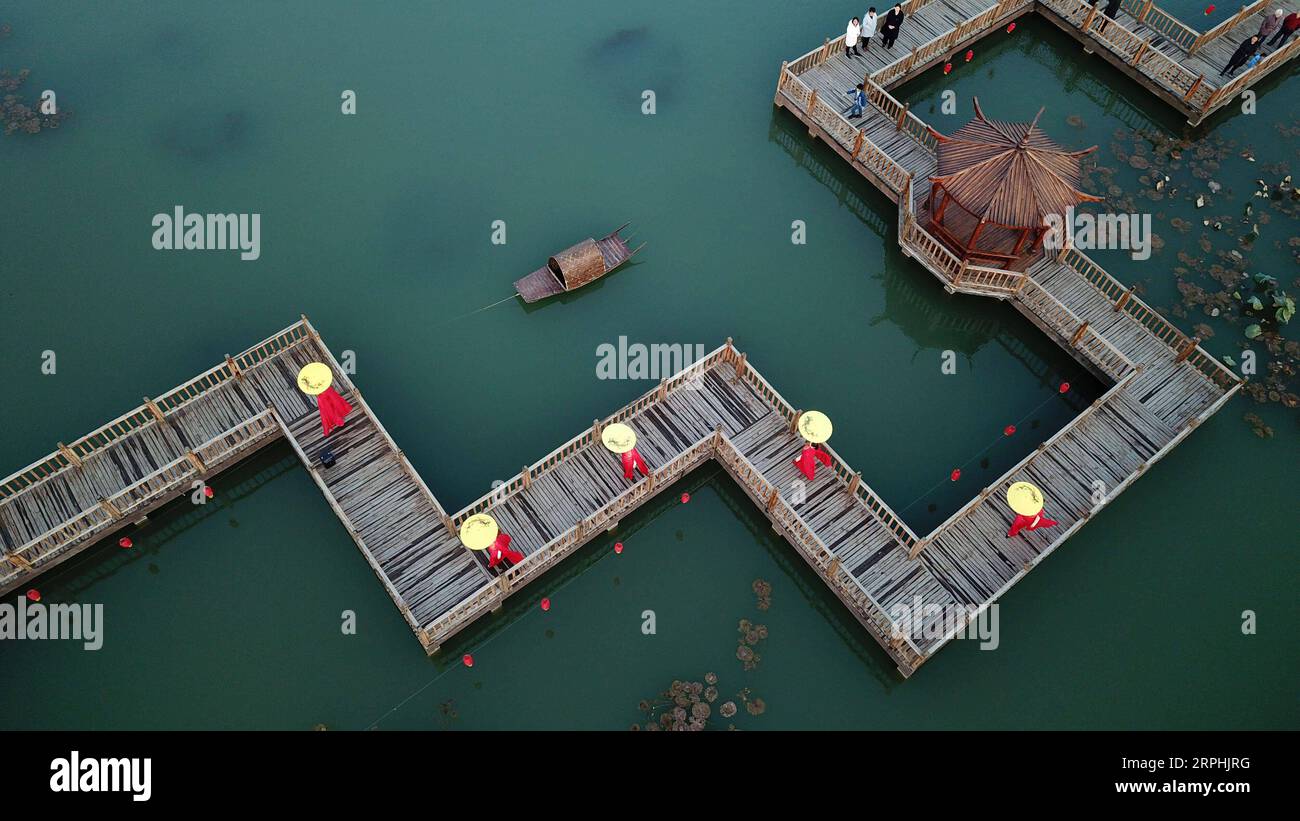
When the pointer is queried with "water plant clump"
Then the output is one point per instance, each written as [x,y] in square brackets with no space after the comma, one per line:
[1225,273]
[750,635]
[16,114]
[683,707]
[763,590]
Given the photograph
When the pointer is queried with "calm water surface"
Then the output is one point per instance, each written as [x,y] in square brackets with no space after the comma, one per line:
[378,227]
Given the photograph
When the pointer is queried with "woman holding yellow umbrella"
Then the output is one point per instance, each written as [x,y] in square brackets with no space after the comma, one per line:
[621,439]
[815,428]
[480,532]
[1027,502]
[316,379]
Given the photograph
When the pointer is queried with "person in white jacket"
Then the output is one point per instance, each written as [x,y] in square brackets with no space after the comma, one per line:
[868,28]
[851,39]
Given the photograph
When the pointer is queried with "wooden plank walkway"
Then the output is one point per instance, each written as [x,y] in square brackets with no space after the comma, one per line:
[1177,63]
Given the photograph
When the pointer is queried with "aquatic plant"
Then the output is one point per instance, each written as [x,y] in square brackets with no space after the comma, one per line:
[728,709]
[15,114]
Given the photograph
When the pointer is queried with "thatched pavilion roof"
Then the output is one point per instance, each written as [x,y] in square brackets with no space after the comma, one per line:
[1011,174]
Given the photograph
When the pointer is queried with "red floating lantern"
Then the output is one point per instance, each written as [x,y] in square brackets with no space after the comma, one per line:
[970,54]
[686,497]
[125,542]
[947,68]
[1209,10]
[1008,430]
[955,475]
[618,547]
[1011,28]
[33,595]
[1065,387]
[207,491]
[468,659]
[546,604]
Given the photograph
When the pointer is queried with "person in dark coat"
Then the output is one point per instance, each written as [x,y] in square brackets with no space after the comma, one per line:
[1112,9]
[889,31]
[1289,25]
[1243,53]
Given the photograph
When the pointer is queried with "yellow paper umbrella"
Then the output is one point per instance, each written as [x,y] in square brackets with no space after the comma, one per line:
[479,531]
[815,427]
[618,437]
[1025,499]
[314,378]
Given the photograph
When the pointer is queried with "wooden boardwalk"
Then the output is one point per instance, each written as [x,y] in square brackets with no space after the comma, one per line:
[1170,59]
[1161,386]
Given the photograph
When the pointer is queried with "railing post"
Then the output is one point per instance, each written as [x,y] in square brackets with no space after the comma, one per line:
[234,368]
[527,477]
[1123,300]
[110,508]
[70,456]
[834,569]
[772,499]
[195,461]
[1142,50]
[794,422]
[1087,24]
[916,549]
[447,523]
[741,364]
[1142,17]
[1195,86]
[1078,334]
[854,482]
[902,115]
[154,410]
[857,143]
[595,430]
[961,272]
[663,389]
[826,48]
[1188,348]
[812,104]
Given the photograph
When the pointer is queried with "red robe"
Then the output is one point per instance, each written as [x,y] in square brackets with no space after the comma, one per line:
[632,462]
[500,549]
[333,409]
[808,459]
[1030,523]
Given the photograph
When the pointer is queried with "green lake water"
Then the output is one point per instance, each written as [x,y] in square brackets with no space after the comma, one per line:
[378,226]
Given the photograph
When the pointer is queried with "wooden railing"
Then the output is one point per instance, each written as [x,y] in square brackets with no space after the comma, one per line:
[1250,75]
[1154,17]
[168,480]
[1228,25]
[85,447]
[1078,333]
[1161,328]
[843,132]
[903,119]
[876,505]
[821,557]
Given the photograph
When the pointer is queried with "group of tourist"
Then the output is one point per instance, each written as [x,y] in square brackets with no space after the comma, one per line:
[861,30]
[1277,24]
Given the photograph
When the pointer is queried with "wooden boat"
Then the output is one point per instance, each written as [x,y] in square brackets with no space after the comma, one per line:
[576,266]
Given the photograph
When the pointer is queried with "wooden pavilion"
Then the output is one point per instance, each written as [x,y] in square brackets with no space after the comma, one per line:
[995,185]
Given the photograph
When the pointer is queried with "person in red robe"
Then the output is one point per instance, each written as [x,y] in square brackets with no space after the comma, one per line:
[334,409]
[632,462]
[808,459]
[500,551]
[1034,522]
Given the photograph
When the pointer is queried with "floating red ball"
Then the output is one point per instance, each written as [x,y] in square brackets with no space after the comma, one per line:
[1065,387]
[955,475]
[1209,9]
[947,68]
[618,547]
[1008,430]
[546,604]
[468,659]
[207,491]
[125,542]
[970,54]
[1011,28]
[686,497]
[33,595]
